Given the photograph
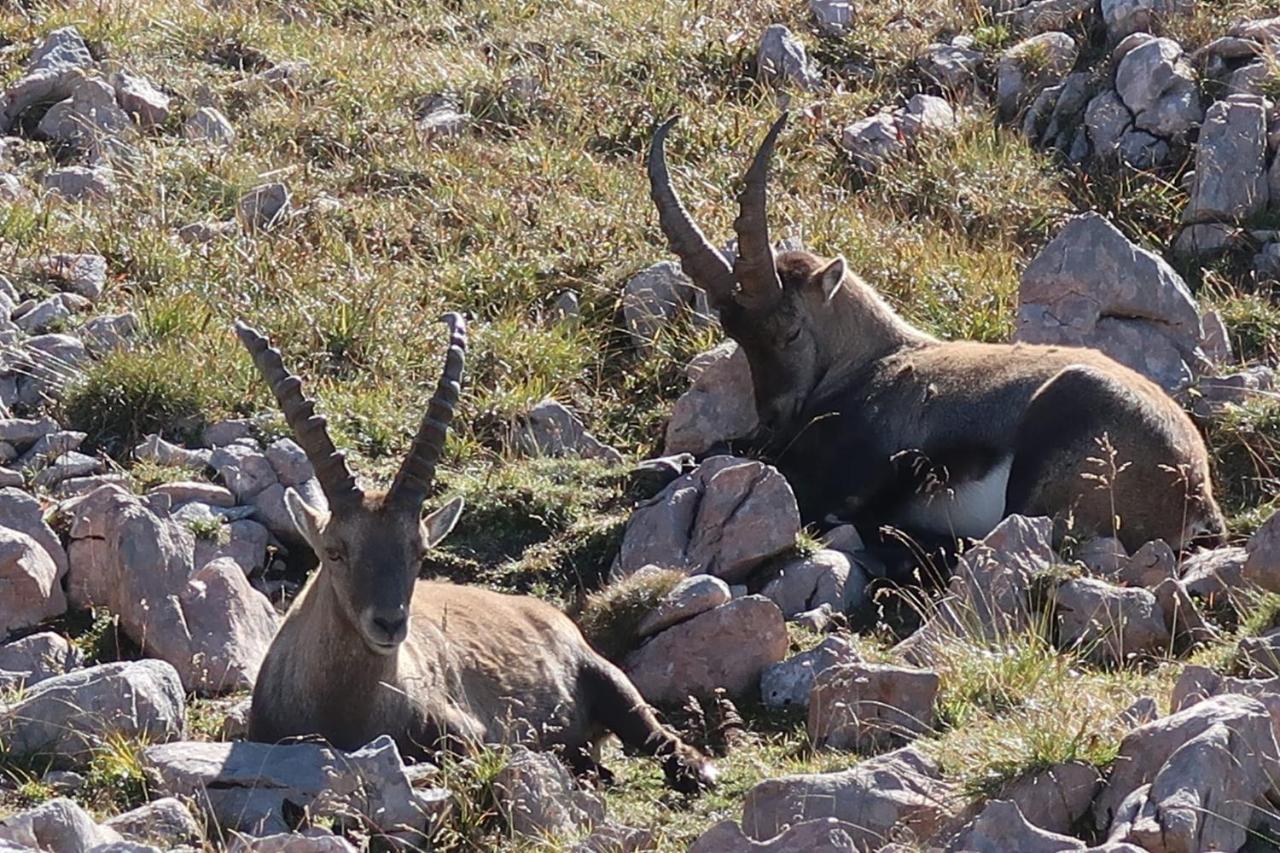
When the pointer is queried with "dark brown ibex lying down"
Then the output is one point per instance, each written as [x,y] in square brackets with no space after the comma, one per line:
[852,399]
[368,649]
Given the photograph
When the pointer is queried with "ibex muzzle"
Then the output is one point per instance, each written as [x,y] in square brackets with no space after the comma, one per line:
[368,649]
[876,421]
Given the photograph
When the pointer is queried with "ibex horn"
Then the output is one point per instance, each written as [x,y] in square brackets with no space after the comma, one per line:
[754,268]
[413,480]
[698,258]
[309,429]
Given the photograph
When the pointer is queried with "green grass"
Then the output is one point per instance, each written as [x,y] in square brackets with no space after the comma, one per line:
[545,195]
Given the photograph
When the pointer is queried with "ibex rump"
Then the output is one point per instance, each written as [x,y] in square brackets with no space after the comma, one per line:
[368,649]
[872,418]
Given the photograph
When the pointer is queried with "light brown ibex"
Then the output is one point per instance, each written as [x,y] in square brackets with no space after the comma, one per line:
[368,649]
[857,406]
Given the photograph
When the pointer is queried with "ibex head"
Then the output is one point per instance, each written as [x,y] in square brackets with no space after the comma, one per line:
[370,545]
[776,307]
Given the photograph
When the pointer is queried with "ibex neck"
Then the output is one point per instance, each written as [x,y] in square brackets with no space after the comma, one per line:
[336,640]
[864,328]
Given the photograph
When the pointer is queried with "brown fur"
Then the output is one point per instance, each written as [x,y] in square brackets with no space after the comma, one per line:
[823,352]
[368,649]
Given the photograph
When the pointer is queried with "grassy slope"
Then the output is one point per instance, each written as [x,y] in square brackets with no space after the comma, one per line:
[543,197]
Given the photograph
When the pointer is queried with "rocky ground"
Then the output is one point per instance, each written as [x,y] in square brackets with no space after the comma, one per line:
[339,172]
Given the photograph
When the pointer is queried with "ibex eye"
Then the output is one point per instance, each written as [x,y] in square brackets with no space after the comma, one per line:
[333,555]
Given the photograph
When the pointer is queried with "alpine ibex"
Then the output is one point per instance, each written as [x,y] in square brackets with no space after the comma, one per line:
[859,408]
[368,649]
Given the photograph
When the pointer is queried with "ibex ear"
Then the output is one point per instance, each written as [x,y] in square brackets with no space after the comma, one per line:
[307,519]
[437,525]
[831,277]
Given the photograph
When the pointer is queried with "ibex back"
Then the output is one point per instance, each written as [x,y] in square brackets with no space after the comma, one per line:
[368,649]
[874,420]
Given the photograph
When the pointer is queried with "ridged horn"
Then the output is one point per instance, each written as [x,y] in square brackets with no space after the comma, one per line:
[698,258]
[754,268]
[310,430]
[413,480]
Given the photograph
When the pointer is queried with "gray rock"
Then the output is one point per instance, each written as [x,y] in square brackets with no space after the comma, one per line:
[43,317]
[57,825]
[901,791]
[727,647]
[826,577]
[1217,338]
[110,332]
[182,492]
[1231,163]
[246,471]
[782,58]
[1145,751]
[62,48]
[1030,66]
[69,717]
[1055,798]
[1197,683]
[719,405]
[444,121]
[1186,625]
[538,796]
[197,233]
[873,140]
[23,432]
[1108,624]
[1001,827]
[139,564]
[35,658]
[1158,85]
[1212,575]
[1206,239]
[832,17]
[290,462]
[155,449]
[690,597]
[88,115]
[12,189]
[789,682]
[654,297]
[139,98]
[1040,16]
[46,366]
[866,706]
[926,115]
[1262,562]
[565,309]
[30,591]
[78,183]
[67,466]
[245,544]
[84,274]
[950,66]
[48,448]
[825,835]
[1203,797]
[264,207]
[313,840]
[1091,287]
[1259,656]
[724,519]
[209,125]
[165,821]
[550,429]
[245,786]
[22,512]
[231,431]
[1124,17]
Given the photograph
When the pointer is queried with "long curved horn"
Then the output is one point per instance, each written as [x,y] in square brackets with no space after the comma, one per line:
[309,429]
[754,268]
[698,258]
[413,480]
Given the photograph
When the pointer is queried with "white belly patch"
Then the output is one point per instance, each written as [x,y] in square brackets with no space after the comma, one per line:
[970,508]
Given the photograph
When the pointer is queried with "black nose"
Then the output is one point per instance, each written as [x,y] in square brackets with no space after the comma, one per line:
[392,625]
